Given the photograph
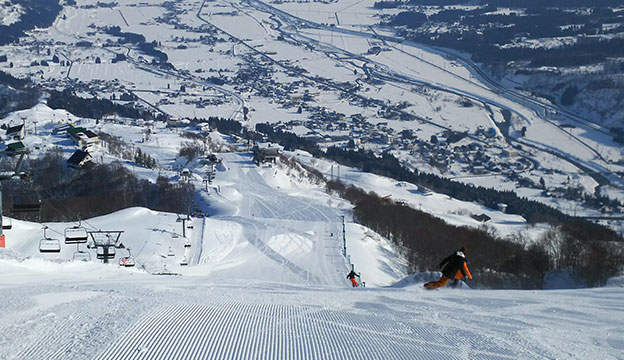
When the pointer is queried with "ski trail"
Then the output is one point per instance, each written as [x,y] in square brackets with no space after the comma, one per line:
[218,240]
[255,238]
[272,331]
[153,320]
[263,201]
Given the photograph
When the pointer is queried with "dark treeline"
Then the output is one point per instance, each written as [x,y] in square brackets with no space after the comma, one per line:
[125,37]
[37,14]
[10,80]
[542,21]
[495,262]
[579,54]
[92,191]
[149,48]
[532,211]
[17,94]
[225,126]
[483,49]
[95,108]
[618,135]
[289,140]
[551,3]
[505,3]
[411,19]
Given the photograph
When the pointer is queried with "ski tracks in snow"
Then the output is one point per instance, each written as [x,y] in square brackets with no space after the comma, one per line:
[267,331]
[153,319]
[247,330]
[61,325]
[289,230]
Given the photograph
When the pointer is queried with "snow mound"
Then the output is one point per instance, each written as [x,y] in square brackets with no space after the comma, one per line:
[562,279]
[617,281]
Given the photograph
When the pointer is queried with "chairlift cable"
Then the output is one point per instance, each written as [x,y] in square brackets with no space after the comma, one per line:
[47,228]
[58,211]
[58,232]
[77,223]
[68,209]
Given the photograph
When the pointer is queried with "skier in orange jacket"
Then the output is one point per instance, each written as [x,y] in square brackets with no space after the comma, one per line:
[453,266]
[351,276]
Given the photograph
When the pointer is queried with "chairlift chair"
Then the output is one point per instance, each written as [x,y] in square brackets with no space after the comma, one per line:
[48,245]
[127,261]
[82,256]
[101,255]
[170,252]
[187,244]
[76,235]
[184,262]
[7,224]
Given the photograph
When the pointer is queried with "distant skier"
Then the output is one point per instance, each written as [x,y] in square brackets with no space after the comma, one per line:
[453,266]
[351,276]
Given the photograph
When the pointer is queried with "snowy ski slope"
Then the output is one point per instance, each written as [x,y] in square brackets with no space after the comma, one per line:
[89,311]
[266,280]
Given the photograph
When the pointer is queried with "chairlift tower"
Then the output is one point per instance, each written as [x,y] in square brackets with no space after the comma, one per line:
[106,241]
[344,237]
[183,220]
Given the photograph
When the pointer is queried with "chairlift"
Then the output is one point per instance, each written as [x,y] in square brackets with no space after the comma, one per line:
[101,255]
[174,236]
[187,244]
[165,271]
[82,256]
[49,246]
[76,235]
[127,261]
[170,252]
[184,262]
[7,224]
